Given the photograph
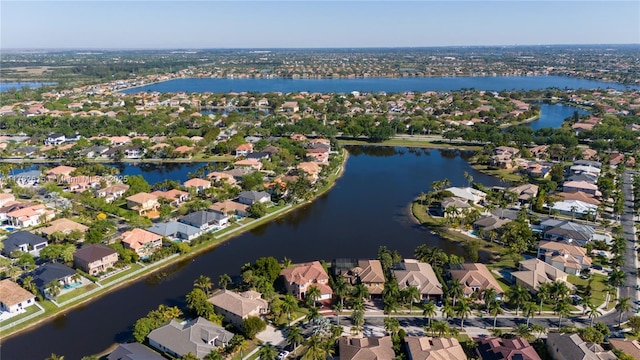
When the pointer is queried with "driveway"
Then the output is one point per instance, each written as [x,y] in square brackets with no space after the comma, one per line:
[272,335]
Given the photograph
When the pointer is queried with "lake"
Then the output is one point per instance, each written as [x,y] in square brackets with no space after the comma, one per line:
[389,85]
[553,115]
[367,208]
[5,86]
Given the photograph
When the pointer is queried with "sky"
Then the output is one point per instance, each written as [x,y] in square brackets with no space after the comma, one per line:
[176,24]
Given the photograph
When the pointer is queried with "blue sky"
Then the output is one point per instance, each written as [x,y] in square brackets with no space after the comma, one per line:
[313,24]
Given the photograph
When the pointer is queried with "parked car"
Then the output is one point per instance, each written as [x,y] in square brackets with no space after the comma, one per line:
[283,355]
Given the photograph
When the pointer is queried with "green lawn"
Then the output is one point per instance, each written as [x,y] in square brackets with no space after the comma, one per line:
[598,295]
[506,174]
[28,311]
[503,283]
[111,279]
[75,292]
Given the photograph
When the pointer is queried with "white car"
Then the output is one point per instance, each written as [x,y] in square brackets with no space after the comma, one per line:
[283,355]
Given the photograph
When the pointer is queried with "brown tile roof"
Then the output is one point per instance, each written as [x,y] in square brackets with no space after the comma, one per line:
[228,206]
[366,348]
[507,349]
[197,182]
[64,226]
[241,304]
[93,252]
[305,273]
[476,275]
[136,238]
[629,347]
[12,294]
[434,348]
[420,275]
[142,197]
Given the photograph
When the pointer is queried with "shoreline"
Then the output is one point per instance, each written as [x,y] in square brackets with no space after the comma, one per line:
[207,247]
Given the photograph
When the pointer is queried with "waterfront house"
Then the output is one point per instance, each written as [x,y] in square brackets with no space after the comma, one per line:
[251,197]
[248,164]
[50,272]
[236,307]
[475,278]
[564,255]
[174,196]
[491,348]
[199,184]
[572,347]
[113,192]
[299,277]
[143,242]
[30,216]
[175,231]
[13,298]
[220,178]
[59,173]
[366,348]
[312,169]
[368,273]
[489,223]
[229,207]
[535,272]
[55,139]
[144,203]
[468,194]
[453,203]
[205,220]
[199,337]
[244,149]
[133,351]
[411,272]
[434,348]
[63,226]
[95,258]
[23,241]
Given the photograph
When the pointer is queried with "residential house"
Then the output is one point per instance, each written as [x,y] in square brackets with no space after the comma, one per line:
[13,298]
[60,173]
[574,208]
[199,337]
[564,255]
[558,230]
[299,277]
[50,272]
[230,207]
[174,196]
[434,348]
[249,164]
[175,231]
[453,203]
[580,196]
[368,273]
[55,139]
[133,351]
[584,177]
[525,192]
[199,184]
[475,278]
[30,216]
[298,137]
[63,226]
[143,242]
[94,151]
[236,307]
[369,348]
[205,220]
[468,194]
[290,106]
[571,347]
[491,348]
[312,169]
[627,346]
[411,272]
[585,187]
[23,241]
[535,272]
[259,155]
[252,197]
[95,258]
[489,223]
[244,149]
[113,192]
[220,178]
[536,170]
[6,198]
[144,203]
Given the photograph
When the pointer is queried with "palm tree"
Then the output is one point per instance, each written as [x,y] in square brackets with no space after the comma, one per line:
[55,357]
[413,294]
[448,311]
[29,285]
[429,310]
[611,291]
[517,295]
[214,355]
[337,307]
[53,288]
[224,281]
[529,310]
[267,352]
[489,296]
[391,325]
[455,289]
[538,329]
[315,349]
[586,303]
[204,283]
[340,289]
[312,294]
[360,291]
[495,309]
[440,327]
[562,309]
[523,331]
[357,319]
[289,306]
[544,291]
[463,311]
[623,306]
[313,315]
[593,312]
[294,337]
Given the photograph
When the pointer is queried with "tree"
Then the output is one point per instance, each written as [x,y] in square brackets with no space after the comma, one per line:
[294,337]
[198,305]
[203,283]
[429,310]
[189,356]
[316,349]
[413,295]
[224,281]
[357,319]
[252,325]
[518,295]
[593,312]
[289,306]
[53,288]
[267,352]
[634,323]
[214,355]
[454,289]
[623,306]
[495,310]
[562,309]
[312,295]
[529,310]
[257,210]
[29,285]
[340,289]
[463,311]
[360,291]
[544,291]
[55,357]
[391,325]
[523,331]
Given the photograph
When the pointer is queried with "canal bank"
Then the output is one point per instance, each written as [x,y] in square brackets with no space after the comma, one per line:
[217,239]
